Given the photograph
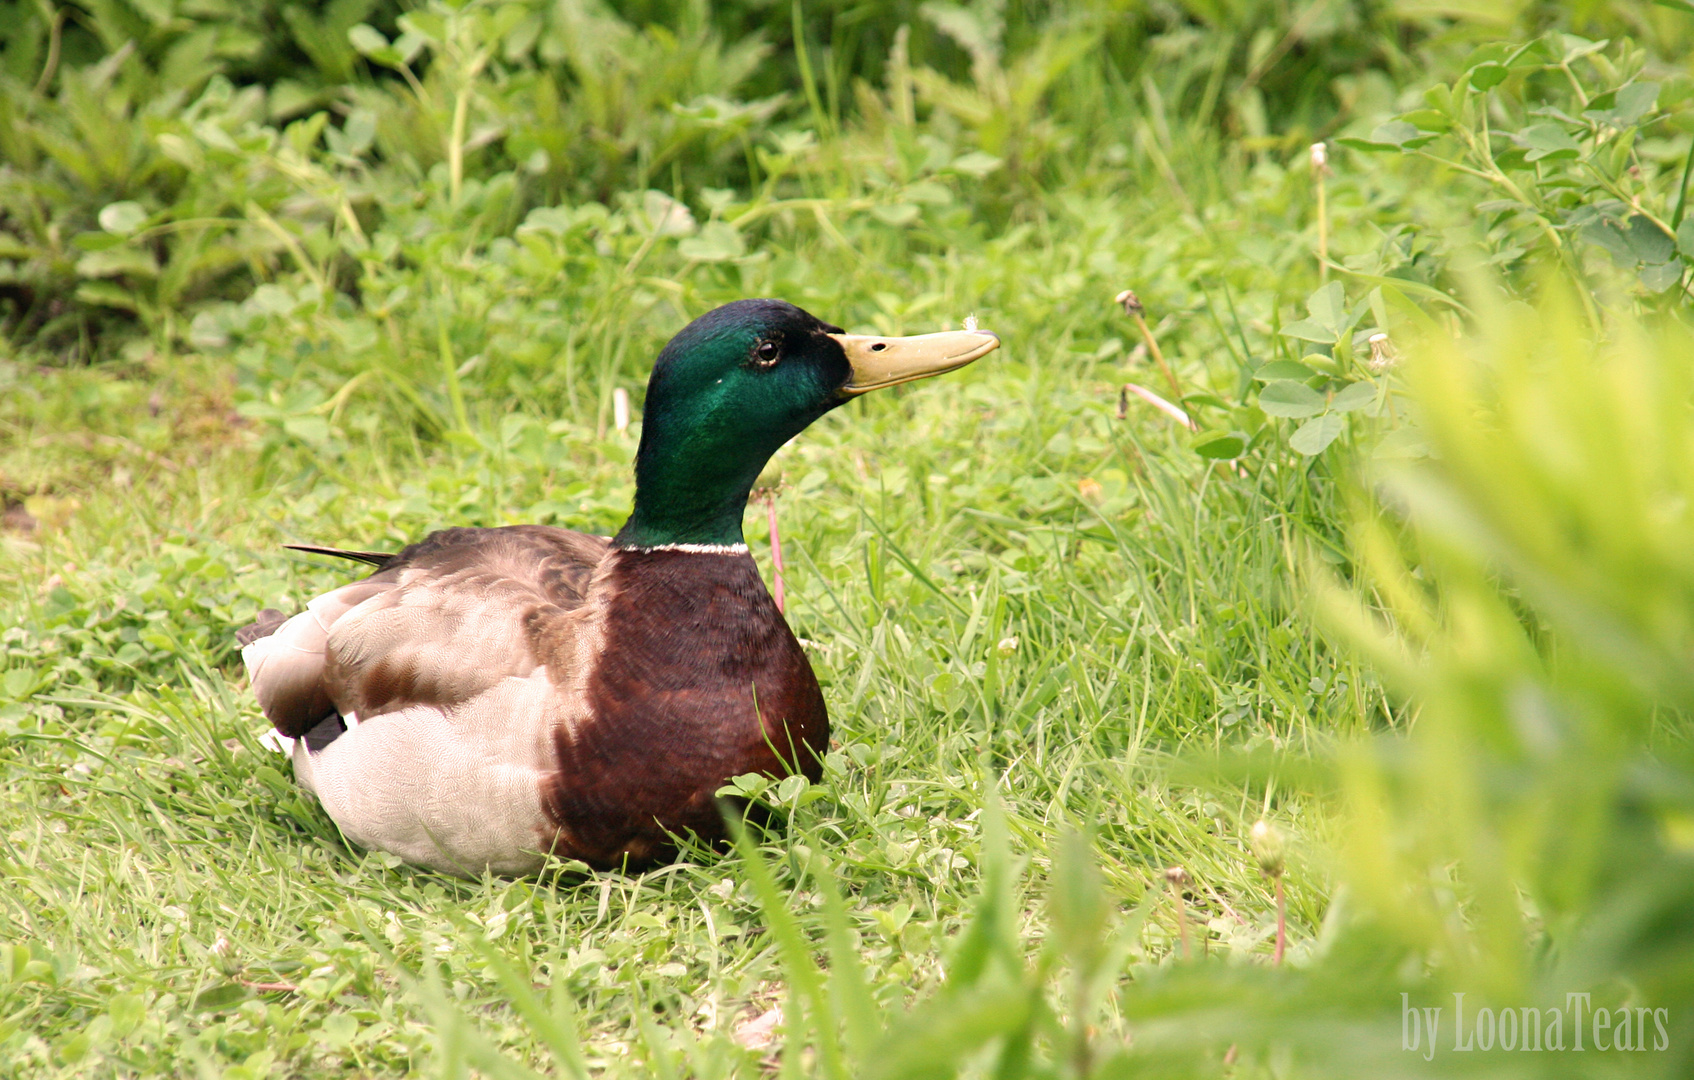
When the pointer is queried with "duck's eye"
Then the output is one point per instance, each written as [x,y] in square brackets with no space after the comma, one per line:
[766,354]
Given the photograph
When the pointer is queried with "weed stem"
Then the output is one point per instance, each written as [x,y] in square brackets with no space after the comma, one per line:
[55,35]
[1176,877]
[1132,307]
[1320,168]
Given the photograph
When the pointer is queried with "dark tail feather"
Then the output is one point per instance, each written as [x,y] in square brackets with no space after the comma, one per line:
[268,620]
[378,559]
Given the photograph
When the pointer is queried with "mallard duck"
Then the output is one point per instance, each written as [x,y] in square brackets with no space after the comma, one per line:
[488,697]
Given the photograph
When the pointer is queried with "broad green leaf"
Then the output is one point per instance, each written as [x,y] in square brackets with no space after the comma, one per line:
[1650,243]
[557,220]
[929,193]
[1400,134]
[1685,237]
[895,213]
[748,785]
[521,39]
[718,241]
[1353,397]
[408,45]
[1547,142]
[1287,398]
[1314,436]
[127,1011]
[428,24]
[1220,445]
[1488,76]
[272,300]
[1394,133]
[1494,52]
[1328,308]
[1499,206]
[1607,235]
[1657,277]
[1283,369]
[122,218]
[1403,288]
[18,683]
[1308,330]
[1623,107]
[366,38]
[496,24]
[790,787]
[1365,145]
[221,997]
[338,1030]
[313,430]
[289,98]
[1578,47]
[665,215]
[371,44]
[359,130]
[1427,120]
[1377,305]
[105,294]
[118,261]
[88,241]
[976,163]
[184,152]
[1440,99]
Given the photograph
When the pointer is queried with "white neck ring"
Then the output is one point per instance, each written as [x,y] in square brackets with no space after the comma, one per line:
[696,549]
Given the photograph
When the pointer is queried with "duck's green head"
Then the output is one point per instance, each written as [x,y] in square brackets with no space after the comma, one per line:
[736,384]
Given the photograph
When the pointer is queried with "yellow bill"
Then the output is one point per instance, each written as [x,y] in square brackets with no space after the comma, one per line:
[888,361]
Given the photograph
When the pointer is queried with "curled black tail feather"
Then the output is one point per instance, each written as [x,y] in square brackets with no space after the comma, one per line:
[264,625]
[378,559]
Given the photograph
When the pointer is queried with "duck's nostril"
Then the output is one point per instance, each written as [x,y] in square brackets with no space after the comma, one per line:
[879,346]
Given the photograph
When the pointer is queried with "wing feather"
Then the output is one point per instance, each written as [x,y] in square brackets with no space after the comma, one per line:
[444,621]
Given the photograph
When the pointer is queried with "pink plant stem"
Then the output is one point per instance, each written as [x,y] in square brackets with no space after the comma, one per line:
[776,551]
[1162,405]
[1281,923]
[270,987]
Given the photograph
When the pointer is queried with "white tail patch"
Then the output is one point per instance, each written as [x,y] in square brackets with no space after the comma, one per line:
[276,742]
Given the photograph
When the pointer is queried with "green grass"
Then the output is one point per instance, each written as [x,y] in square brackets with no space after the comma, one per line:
[973,616]
[1063,652]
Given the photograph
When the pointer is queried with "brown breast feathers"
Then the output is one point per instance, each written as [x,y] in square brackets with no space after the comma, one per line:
[699,679]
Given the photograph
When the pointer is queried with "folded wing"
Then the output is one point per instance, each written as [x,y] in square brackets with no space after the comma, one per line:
[443,622]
